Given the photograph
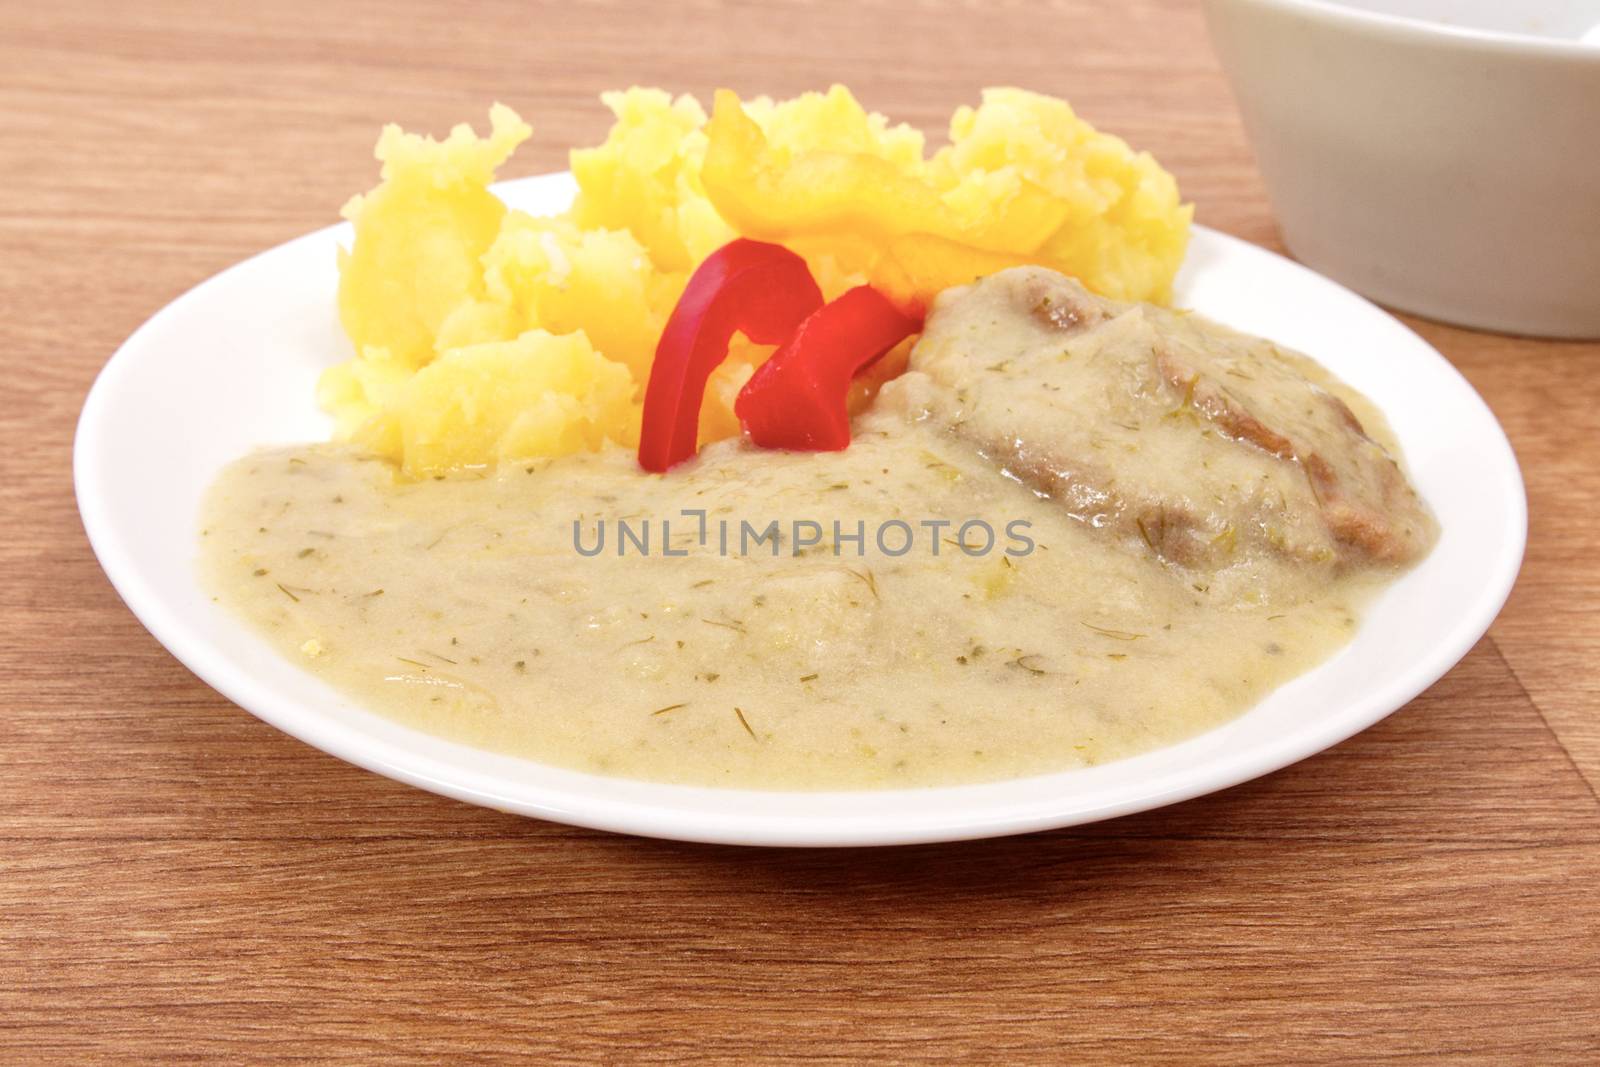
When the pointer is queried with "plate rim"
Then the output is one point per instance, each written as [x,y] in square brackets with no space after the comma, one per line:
[594,808]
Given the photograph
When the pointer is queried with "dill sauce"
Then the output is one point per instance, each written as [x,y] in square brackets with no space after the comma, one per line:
[463,608]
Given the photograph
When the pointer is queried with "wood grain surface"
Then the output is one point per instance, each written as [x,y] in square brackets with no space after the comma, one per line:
[178,881]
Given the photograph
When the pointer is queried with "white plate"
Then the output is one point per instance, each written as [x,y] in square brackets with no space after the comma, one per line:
[231,366]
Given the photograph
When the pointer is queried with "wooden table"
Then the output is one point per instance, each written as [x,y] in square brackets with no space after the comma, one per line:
[179,879]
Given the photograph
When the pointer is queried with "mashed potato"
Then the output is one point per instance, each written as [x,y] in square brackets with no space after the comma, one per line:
[485,335]
[1023,180]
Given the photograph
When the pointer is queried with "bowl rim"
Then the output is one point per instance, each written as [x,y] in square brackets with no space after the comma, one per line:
[1414,30]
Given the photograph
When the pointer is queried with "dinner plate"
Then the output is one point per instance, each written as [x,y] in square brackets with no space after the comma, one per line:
[231,366]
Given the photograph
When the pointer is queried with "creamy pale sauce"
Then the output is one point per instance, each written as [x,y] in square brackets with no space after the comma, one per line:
[463,608]
[826,657]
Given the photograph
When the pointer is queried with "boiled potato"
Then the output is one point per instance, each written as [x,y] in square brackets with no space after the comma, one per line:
[1024,180]
[484,335]
[645,179]
[421,234]
[540,394]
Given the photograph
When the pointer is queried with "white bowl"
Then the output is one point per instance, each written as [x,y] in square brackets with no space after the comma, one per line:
[232,365]
[1441,156]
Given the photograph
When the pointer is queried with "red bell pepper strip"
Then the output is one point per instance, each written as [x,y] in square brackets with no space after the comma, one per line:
[796,399]
[761,290]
